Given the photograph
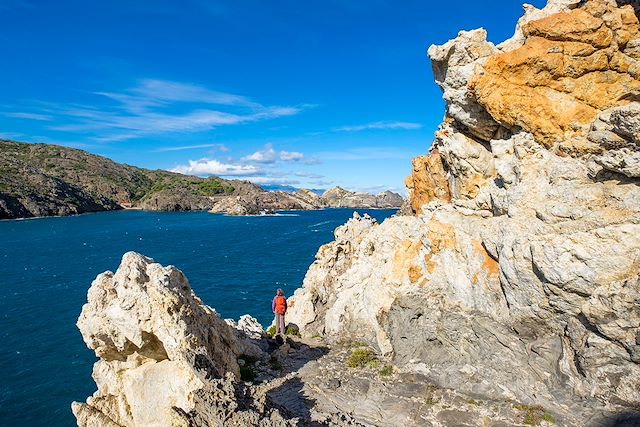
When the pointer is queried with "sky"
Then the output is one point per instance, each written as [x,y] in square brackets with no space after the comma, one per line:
[308,93]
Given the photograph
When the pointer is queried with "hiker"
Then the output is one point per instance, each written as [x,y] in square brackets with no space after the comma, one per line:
[279,308]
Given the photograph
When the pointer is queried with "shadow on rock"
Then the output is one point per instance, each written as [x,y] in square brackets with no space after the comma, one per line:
[627,419]
[292,402]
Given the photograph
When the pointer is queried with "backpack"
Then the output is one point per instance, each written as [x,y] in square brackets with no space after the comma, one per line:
[281,304]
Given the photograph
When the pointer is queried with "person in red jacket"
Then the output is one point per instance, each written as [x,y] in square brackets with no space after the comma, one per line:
[279,308]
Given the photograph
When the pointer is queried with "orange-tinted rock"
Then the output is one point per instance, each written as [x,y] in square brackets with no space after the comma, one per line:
[569,69]
[428,181]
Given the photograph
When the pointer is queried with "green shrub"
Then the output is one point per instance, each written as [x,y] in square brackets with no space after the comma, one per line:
[293,331]
[430,397]
[271,331]
[213,186]
[386,371]
[247,373]
[533,415]
[360,358]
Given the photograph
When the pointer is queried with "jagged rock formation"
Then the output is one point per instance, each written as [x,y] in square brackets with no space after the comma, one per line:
[166,359]
[517,274]
[303,199]
[340,198]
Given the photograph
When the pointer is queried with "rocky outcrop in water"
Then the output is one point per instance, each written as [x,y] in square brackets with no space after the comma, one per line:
[516,274]
[265,202]
[340,198]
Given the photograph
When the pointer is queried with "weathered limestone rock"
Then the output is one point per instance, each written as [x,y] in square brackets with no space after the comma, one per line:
[166,359]
[518,275]
[453,65]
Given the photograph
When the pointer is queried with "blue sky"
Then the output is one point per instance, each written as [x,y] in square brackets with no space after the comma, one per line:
[306,93]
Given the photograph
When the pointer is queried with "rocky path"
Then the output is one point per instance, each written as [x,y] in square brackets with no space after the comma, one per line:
[314,383]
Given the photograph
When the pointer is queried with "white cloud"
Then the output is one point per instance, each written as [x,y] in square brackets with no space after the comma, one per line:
[185,92]
[269,156]
[291,156]
[155,107]
[204,167]
[266,155]
[380,125]
[272,180]
[213,147]
[366,153]
[30,116]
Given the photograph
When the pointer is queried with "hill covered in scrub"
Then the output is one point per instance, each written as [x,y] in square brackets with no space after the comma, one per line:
[46,180]
[49,180]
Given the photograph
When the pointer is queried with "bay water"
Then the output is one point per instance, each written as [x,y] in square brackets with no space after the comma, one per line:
[233,264]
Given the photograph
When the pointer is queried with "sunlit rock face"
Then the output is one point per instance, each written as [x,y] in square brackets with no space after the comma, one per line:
[166,359]
[517,272]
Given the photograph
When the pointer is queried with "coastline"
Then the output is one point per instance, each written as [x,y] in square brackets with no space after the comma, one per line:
[139,209]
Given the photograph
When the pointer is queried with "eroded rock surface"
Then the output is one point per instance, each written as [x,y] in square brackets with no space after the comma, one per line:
[166,359]
[517,274]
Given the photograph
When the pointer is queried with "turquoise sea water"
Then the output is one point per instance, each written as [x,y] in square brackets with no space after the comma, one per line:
[46,266]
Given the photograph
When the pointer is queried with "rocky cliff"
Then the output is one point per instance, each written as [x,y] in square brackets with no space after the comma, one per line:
[166,359]
[340,198]
[516,272]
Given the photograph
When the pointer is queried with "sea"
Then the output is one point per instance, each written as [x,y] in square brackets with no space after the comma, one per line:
[234,264]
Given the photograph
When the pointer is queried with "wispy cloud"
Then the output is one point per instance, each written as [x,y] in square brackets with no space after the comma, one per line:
[270,156]
[206,167]
[29,116]
[365,153]
[273,180]
[291,156]
[308,175]
[380,125]
[155,107]
[213,147]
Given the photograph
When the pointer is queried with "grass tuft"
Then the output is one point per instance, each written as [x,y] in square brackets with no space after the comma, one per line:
[271,331]
[360,358]
[386,371]
[533,415]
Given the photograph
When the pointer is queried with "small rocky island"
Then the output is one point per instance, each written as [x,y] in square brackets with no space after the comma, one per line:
[506,295]
[51,180]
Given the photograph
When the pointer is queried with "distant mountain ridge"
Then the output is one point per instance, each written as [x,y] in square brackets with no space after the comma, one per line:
[51,180]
